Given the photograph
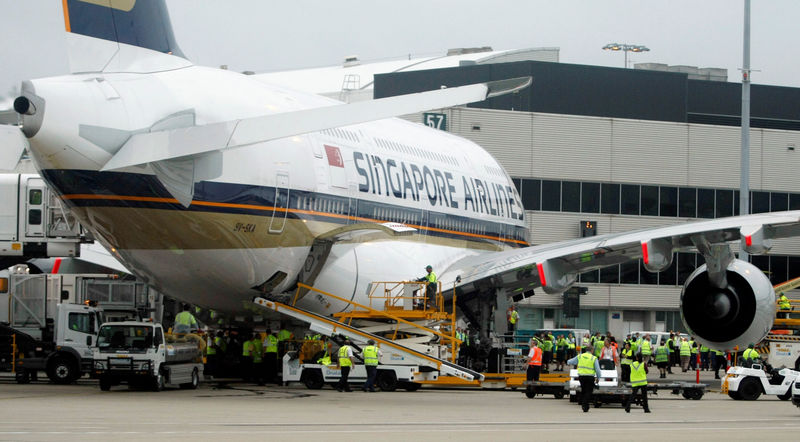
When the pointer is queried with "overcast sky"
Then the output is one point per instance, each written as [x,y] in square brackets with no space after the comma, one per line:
[264,35]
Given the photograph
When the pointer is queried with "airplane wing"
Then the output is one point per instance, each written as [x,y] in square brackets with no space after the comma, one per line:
[555,267]
[182,142]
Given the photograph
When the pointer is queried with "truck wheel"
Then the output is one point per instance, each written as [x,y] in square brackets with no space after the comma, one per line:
[194,383]
[105,383]
[62,370]
[158,382]
[411,386]
[530,392]
[23,377]
[786,396]
[312,379]
[750,388]
[692,393]
[559,394]
[387,380]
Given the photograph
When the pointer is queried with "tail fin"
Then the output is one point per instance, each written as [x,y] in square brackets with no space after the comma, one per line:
[112,24]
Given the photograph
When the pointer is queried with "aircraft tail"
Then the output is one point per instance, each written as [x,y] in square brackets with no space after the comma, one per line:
[118,31]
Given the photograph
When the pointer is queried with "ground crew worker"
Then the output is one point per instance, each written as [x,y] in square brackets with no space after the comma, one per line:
[547,351]
[587,341]
[638,382]
[662,360]
[588,373]
[271,357]
[562,346]
[571,349]
[534,362]
[513,316]
[784,304]
[673,352]
[215,352]
[247,357]
[371,355]
[430,286]
[750,356]
[345,363]
[284,336]
[185,321]
[693,356]
[599,343]
[258,359]
[646,349]
[704,352]
[625,362]
[325,359]
[719,362]
[686,353]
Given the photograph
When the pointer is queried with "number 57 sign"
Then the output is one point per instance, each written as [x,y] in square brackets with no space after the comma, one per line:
[435,120]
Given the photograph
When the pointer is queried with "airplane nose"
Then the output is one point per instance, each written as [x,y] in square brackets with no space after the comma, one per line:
[31,108]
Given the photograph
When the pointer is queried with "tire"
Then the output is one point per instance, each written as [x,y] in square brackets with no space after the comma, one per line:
[411,386]
[312,379]
[387,380]
[750,388]
[62,370]
[573,398]
[786,396]
[23,377]
[559,395]
[530,392]
[692,393]
[105,383]
[157,382]
[194,383]
[734,395]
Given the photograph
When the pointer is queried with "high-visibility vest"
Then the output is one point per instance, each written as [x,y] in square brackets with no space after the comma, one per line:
[221,344]
[284,335]
[271,344]
[670,345]
[258,350]
[626,357]
[562,344]
[635,345]
[548,345]
[247,348]
[512,319]
[185,318]
[430,277]
[750,354]
[210,350]
[638,375]
[693,346]
[370,355]
[686,349]
[598,347]
[717,352]
[344,360]
[784,303]
[646,349]
[703,349]
[537,356]
[586,364]
[662,354]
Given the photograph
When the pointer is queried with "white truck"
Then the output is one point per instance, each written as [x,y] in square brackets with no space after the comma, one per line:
[47,324]
[142,355]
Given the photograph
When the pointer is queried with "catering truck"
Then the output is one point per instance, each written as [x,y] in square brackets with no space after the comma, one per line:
[140,354]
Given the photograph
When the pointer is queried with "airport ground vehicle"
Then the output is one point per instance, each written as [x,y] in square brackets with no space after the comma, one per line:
[557,389]
[748,383]
[315,376]
[47,324]
[796,393]
[140,354]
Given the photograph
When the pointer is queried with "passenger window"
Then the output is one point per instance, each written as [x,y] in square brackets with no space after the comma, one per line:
[34,217]
[80,322]
[35,196]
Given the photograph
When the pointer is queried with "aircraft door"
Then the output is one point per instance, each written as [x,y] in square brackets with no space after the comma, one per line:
[281,204]
[34,208]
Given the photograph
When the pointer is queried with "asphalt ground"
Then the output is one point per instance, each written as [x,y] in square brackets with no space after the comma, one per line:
[240,411]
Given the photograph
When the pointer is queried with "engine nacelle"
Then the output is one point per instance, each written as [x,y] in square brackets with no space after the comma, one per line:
[738,315]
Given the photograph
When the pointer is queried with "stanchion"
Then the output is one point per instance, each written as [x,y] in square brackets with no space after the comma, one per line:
[698,367]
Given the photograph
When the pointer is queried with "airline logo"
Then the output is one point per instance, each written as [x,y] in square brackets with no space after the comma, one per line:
[334,156]
[406,180]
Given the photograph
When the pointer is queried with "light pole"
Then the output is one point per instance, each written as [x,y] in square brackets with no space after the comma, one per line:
[625,48]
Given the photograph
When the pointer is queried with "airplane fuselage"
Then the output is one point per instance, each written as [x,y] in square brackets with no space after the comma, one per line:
[256,211]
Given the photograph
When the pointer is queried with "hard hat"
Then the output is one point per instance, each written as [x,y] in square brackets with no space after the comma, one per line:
[428,266]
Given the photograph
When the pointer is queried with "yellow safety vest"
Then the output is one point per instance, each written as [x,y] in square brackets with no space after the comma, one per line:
[686,349]
[750,354]
[431,278]
[626,357]
[586,364]
[638,375]
[370,355]
[646,349]
[344,360]
[272,344]
[258,349]
[210,350]
[662,354]
[185,318]
[784,303]
[514,317]
[247,348]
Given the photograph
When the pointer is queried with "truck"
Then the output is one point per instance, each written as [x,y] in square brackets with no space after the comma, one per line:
[142,355]
[34,222]
[48,322]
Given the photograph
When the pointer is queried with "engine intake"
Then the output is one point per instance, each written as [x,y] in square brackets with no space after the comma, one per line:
[737,315]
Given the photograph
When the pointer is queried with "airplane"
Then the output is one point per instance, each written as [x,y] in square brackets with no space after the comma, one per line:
[216,187]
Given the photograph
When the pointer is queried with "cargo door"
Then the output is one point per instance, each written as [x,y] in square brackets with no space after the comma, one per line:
[34,208]
[281,204]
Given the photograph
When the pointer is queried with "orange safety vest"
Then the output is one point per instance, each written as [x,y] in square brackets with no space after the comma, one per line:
[537,356]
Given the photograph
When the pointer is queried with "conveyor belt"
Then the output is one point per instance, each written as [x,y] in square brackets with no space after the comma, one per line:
[328,326]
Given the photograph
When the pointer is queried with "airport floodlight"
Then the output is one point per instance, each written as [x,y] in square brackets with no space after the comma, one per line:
[625,48]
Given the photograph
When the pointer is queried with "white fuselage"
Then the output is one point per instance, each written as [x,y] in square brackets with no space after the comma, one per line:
[256,210]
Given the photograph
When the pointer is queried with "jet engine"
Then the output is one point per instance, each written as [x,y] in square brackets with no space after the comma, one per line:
[738,314]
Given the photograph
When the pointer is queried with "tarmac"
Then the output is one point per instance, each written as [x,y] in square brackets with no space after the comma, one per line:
[241,411]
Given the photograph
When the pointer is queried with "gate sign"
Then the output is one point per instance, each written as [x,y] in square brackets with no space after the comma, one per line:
[435,120]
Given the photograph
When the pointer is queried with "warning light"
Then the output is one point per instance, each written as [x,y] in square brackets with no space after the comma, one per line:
[588,228]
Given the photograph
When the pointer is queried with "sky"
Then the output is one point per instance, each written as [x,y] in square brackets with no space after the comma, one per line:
[267,35]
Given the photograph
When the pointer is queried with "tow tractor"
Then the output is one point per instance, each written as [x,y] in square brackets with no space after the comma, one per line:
[748,383]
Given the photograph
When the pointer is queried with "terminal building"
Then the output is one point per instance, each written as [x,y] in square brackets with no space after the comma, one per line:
[602,150]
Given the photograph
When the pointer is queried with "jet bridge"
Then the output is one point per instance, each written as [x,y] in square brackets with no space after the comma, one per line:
[393,352]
